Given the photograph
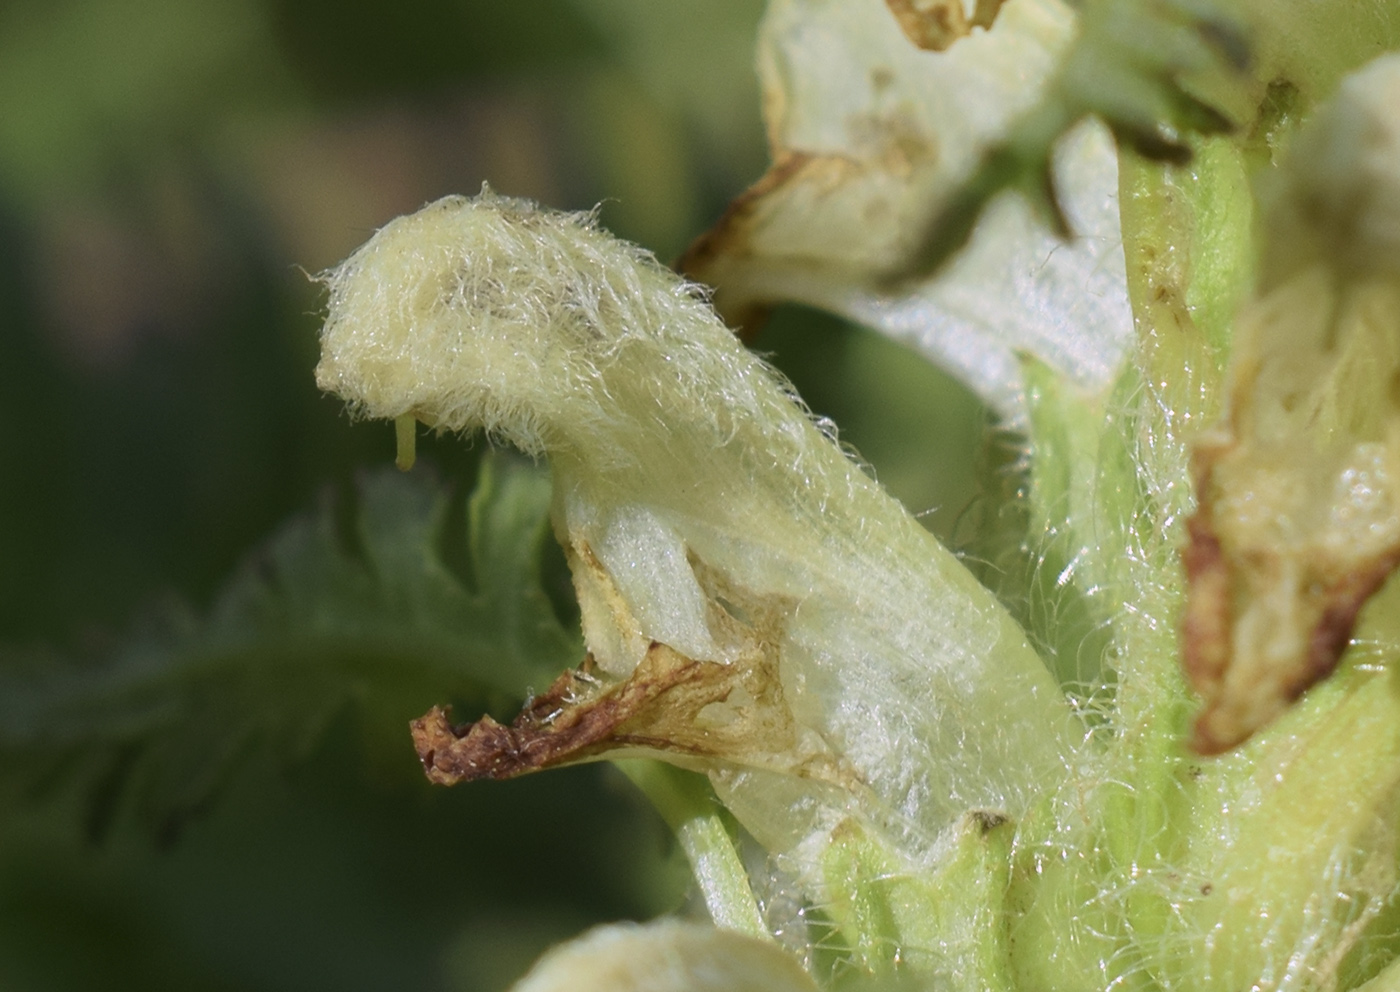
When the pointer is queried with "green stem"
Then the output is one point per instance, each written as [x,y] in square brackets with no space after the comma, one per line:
[406,437]
[690,808]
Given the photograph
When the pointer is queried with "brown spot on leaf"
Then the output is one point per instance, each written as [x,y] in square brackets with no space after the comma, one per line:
[986,820]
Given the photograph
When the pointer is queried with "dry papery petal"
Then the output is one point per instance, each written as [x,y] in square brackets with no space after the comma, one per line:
[753,604]
[666,957]
[871,138]
[936,24]
[1299,486]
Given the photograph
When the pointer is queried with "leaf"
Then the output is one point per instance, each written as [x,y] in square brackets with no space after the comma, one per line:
[327,617]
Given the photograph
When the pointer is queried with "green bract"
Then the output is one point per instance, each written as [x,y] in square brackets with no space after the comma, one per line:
[965,791]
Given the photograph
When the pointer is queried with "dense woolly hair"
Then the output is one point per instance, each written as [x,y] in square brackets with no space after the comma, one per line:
[493,313]
[689,483]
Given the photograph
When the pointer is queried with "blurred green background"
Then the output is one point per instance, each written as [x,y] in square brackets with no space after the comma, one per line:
[170,171]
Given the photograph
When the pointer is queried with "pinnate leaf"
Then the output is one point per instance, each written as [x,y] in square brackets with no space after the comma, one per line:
[357,610]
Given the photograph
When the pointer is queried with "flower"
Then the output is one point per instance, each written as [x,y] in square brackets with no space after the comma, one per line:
[964,793]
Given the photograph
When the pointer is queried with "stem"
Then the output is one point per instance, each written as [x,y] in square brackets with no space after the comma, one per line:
[406,435]
[693,812]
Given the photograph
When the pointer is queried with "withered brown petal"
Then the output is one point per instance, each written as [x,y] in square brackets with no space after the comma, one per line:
[936,24]
[657,709]
[1265,619]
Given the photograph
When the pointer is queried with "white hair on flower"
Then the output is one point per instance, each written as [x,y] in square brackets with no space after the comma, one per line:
[854,665]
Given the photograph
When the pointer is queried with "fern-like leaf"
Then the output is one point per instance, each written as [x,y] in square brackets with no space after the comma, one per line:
[367,615]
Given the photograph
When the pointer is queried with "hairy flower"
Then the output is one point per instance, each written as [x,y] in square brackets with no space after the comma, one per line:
[753,604]
[965,790]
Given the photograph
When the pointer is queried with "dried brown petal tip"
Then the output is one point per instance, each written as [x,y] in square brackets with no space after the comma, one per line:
[704,713]
[935,24]
[1285,549]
